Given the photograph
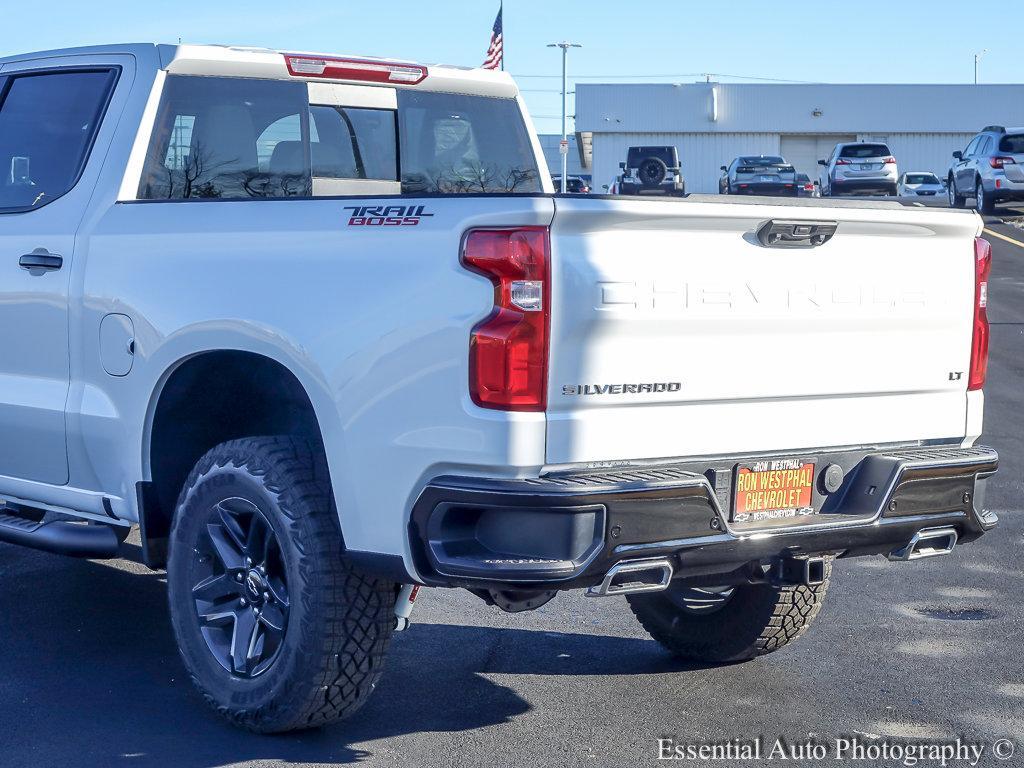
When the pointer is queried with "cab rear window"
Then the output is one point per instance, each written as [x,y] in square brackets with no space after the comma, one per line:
[223,138]
[454,144]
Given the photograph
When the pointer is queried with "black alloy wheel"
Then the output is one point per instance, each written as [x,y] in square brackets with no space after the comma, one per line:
[241,588]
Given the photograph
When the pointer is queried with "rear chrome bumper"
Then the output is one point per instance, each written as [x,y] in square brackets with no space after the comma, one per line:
[565,531]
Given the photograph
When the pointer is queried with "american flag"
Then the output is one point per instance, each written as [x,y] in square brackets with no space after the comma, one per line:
[495,52]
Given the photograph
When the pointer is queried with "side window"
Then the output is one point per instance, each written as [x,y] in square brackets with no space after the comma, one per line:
[224,138]
[47,125]
[969,152]
[985,146]
[354,143]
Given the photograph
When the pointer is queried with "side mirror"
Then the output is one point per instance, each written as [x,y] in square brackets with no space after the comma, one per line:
[622,166]
[604,187]
[823,162]
[958,155]
[725,169]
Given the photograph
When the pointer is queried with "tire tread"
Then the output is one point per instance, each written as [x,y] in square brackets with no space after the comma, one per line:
[357,611]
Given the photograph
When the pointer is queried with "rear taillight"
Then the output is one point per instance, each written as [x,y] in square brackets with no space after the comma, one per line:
[841,161]
[979,341]
[354,69]
[508,351]
[890,160]
[999,162]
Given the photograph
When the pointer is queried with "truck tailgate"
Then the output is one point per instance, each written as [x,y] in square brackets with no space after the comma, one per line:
[675,333]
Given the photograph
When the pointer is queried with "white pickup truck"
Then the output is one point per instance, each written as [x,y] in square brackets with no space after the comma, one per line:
[320,328]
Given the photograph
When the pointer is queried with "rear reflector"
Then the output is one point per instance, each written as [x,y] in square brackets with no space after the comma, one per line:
[508,351]
[355,69]
[979,341]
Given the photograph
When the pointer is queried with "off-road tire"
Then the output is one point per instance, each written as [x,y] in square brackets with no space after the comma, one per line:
[757,620]
[339,622]
[651,171]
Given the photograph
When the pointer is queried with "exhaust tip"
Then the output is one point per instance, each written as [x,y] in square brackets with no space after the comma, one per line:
[930,542]
[631,577]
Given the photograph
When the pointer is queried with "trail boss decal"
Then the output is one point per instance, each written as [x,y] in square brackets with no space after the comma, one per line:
[620,389]
[386,215]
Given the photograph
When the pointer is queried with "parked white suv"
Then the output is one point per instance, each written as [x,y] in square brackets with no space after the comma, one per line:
[318,327]
[861,167]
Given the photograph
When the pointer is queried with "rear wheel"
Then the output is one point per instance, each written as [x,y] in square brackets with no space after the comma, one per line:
[276,630]
[984,203]
[955,200]
[726,624]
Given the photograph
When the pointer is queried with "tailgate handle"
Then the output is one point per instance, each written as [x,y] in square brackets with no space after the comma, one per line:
[783,233]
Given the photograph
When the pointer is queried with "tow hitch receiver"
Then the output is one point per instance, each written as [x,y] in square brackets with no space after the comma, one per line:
[809,571]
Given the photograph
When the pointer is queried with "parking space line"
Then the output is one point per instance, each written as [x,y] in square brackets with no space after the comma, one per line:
[1018,243]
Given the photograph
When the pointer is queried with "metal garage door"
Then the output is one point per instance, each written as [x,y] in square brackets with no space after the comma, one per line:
[804,151]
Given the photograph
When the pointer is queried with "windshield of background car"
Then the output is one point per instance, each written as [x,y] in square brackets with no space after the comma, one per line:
[1012,144]
[921,178]
[865,151]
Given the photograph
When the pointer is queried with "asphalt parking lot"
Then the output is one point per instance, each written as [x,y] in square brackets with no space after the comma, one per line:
[89,675]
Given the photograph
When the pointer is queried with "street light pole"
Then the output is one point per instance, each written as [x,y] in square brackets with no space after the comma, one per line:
[564,146]
[977,58]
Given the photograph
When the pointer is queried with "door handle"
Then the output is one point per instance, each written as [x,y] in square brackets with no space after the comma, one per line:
[41,260]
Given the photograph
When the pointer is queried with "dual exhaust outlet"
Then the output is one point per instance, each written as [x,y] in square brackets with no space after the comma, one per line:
[632,577]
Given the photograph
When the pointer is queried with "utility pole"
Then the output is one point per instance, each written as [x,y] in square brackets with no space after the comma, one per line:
[563,148]
[977,58]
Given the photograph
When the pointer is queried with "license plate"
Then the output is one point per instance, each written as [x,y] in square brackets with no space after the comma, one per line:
[767,178]
[773,489]
[866,167]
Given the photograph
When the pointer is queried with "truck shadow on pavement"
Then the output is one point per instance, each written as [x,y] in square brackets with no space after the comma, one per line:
[89,660]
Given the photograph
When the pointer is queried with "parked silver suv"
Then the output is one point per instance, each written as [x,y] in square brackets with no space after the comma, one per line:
[990,169]
[859,167]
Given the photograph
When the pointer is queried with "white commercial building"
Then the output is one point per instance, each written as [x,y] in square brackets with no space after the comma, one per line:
[711,123]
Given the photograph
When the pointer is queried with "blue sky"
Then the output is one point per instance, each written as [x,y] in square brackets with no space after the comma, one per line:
[906,41]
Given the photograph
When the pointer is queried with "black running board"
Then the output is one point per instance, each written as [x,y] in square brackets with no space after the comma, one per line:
[93,541]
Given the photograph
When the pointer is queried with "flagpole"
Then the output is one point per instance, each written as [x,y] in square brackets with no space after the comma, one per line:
[501,12]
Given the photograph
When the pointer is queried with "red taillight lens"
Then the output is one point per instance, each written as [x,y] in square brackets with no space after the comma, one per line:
[841,161]
[354,69]
[508,351]
[979,342]
[890,161]
[999,162]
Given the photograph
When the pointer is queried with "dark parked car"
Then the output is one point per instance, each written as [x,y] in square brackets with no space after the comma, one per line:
[573,185]
[758,175]
[805,187]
